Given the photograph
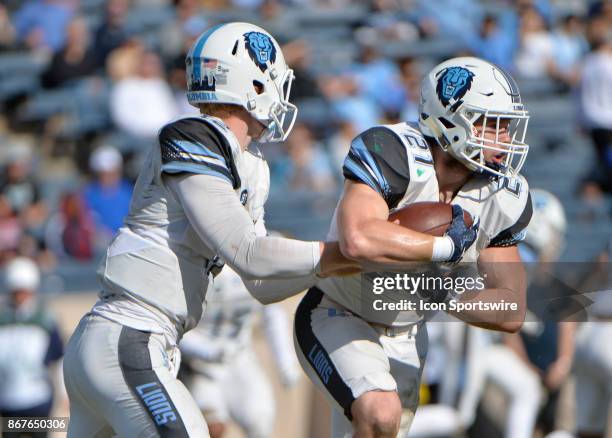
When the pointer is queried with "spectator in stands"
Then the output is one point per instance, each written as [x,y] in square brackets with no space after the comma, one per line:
[493,44]
[188,32]
[75,228]
[112,32]
[535,51]
[187,22]
[30,346]
[347,102]
[270,13]
[7,30]
[23,211]
[596,107]
[601,9]
[124,62]
[339,144]
[387,21]
[298,54]
[41,24]
[410,74]
[453,19]
[77,59]
[307,166]
[10,230]
[108,195]
[378,79]
[21,189]
[151,3]
[142,102]
[251,5]
[569,48]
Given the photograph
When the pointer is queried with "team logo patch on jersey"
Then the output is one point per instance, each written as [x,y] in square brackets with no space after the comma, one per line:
[244,197]
[453,83]
[260,48]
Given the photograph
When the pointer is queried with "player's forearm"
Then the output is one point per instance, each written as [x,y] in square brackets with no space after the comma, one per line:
[334,262]
[500,309]
[379,243]
[274,257]
[505,289]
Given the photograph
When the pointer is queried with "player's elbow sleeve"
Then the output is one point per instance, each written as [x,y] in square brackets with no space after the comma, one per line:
[252,262]
[269,257]
[249,271]
[260,294]
[248,264]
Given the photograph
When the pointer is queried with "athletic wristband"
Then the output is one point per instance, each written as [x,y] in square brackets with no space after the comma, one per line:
[443,248]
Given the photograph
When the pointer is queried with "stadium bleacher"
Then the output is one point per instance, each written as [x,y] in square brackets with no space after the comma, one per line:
[554,129]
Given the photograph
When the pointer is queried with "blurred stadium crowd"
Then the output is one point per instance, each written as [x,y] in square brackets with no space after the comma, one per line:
[86,84]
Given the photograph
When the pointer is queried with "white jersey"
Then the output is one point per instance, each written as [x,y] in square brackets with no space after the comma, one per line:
[228,321]
[154,275]
[396,161]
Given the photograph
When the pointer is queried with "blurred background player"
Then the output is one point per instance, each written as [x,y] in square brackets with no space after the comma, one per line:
[546,341]
[593,359]
[31,346]
[220,367]
[532,366]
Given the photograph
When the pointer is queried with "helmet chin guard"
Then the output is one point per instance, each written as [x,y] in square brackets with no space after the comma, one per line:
[463,99]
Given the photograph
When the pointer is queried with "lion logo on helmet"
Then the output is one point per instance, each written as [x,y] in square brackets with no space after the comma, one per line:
[453,83]
[261,49]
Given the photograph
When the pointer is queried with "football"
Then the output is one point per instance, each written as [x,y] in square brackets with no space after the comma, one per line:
[431,218]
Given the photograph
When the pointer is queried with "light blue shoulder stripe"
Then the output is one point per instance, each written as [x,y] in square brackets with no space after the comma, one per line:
[179,166]
[364,154]
[360,173]
[197,148]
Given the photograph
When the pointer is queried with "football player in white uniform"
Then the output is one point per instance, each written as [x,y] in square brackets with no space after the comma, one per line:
[593,356]
[220,367]
[193,205]
[467,150]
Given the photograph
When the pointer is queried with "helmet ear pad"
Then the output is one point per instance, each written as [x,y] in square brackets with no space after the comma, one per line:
[458,134]
[451,136]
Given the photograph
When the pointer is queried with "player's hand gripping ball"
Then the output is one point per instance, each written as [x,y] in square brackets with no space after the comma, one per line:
[440,219]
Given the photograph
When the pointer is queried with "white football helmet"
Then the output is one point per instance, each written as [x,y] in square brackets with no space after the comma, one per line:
[463,94]
[242,64]
[21,273]
[546,230]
